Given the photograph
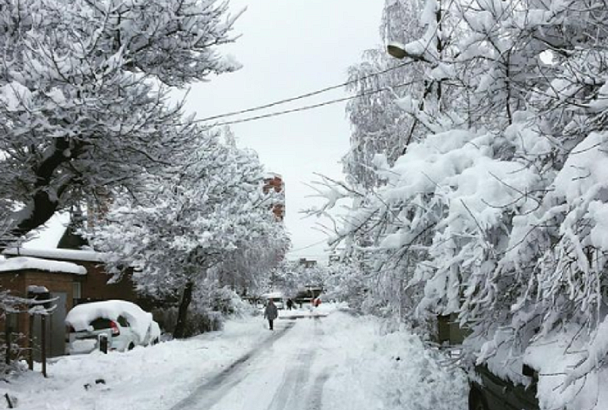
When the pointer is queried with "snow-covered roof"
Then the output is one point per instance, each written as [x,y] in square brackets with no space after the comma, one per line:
[21,263]
[67,254]
[81,316]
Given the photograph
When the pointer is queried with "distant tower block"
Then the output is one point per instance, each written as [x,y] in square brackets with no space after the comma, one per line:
[274,182]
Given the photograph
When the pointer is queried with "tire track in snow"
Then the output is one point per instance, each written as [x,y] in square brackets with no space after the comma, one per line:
[315,399]
[295,392]
[288,395]
[209,393]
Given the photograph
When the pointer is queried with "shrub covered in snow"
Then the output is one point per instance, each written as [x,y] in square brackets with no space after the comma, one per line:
[211,306]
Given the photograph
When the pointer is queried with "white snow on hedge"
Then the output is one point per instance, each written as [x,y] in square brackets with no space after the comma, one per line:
[81,316]
[569,363]
[21,263]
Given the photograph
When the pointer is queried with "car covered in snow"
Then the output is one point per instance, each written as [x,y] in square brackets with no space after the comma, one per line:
[124,324]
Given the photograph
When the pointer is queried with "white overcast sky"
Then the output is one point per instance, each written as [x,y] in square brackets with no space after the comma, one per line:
[287,48]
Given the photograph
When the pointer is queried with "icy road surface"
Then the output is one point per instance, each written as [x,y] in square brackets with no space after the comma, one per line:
[288,371]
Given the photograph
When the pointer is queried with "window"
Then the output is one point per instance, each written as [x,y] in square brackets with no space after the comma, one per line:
[123,321]
[76,290]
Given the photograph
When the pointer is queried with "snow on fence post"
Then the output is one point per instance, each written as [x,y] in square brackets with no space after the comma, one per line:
[103,343]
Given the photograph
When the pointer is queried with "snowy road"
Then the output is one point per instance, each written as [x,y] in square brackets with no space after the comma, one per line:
[285,372]
[339,362]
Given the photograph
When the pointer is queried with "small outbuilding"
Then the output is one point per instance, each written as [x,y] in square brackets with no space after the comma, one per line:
[24,277]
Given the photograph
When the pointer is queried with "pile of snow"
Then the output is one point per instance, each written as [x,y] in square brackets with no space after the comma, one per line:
[22,263]
[390,368]
[81,316]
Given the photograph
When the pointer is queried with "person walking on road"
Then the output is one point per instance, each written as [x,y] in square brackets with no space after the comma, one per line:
[271,313]
[289,304]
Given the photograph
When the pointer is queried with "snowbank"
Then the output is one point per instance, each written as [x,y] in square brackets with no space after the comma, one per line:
[389,367]
[21,263]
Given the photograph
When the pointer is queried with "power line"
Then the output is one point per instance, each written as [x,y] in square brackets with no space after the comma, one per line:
[310,107]
[308,246]
[317,92]
[323,90]
[302,96]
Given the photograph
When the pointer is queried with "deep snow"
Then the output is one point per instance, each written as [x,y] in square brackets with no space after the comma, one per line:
[363,365]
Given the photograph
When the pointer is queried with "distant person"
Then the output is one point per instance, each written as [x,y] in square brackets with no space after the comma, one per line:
[317,302]
[271,313]
[289,304]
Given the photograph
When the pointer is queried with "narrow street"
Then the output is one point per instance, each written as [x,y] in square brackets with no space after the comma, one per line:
[288,371]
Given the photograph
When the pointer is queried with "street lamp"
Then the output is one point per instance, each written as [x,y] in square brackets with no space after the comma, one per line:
[396,50]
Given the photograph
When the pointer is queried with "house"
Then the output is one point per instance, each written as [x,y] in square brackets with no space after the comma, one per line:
[274,182]
[307,263]
[70,276]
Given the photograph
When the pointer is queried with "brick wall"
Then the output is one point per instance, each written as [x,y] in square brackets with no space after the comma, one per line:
[95,286]
[18,281]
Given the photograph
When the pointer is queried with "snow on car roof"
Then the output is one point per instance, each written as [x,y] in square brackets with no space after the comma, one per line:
[273,295]
[81,316]
[21,263]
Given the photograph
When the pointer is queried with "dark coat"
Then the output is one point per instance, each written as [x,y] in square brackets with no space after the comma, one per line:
[271,312]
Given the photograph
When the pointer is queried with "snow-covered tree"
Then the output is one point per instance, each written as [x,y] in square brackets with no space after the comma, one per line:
[246,269]
[204,217]
[378,124]
[502,202]
[83,95]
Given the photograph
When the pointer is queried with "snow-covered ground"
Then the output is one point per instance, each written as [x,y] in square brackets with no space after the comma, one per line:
[360,364]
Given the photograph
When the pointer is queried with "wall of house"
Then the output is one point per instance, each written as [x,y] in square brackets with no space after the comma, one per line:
[95,286]
[57,283]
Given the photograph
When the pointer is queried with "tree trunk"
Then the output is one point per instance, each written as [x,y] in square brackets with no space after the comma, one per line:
[45,197]
[182,314]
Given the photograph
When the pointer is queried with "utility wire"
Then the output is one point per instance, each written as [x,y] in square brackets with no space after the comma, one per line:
[302,96]
[313,93]
[310,107]
[323,90]
[308,246]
